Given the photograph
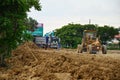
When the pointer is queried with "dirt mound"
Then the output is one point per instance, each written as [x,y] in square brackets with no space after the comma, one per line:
[30,44]
[32,63]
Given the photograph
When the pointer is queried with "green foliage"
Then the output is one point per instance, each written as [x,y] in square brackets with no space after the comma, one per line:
[72,34]
[30,23]
[12,27]
[113,47]
[107,32]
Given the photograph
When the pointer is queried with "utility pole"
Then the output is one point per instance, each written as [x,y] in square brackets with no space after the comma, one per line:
[89,21]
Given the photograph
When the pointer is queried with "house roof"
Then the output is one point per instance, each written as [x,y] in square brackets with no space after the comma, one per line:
[117,36]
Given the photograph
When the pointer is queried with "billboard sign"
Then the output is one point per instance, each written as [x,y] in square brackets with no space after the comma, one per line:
[40,25]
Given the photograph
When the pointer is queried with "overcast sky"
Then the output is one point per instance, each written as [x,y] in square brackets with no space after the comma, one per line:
[57,13]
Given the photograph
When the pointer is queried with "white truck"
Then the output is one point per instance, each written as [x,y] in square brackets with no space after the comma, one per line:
[40,41]
[52,42]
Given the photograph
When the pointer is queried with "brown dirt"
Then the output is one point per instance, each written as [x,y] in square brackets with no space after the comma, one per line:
[28,62]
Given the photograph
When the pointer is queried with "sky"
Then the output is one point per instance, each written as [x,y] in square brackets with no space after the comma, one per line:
[57,13]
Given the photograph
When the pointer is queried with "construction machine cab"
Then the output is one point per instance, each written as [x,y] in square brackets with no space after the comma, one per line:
[89,36]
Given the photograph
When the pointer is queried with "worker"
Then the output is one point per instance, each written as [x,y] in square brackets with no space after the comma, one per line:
[47,39]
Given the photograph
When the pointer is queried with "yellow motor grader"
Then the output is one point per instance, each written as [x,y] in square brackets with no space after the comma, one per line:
[91,43]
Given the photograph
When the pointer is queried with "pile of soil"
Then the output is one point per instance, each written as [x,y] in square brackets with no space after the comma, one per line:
[29,62]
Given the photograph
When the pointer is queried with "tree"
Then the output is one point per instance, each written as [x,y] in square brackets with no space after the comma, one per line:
[30,23]
[107,33]
[12,28]
[70,35]
[90,27]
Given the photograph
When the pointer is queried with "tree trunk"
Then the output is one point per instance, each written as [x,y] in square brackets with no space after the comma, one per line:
[2,60]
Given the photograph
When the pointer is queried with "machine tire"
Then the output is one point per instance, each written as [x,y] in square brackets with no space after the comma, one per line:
[89,50]
[79,49]
[104,49]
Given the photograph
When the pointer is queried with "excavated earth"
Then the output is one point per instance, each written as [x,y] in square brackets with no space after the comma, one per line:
[28,62]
